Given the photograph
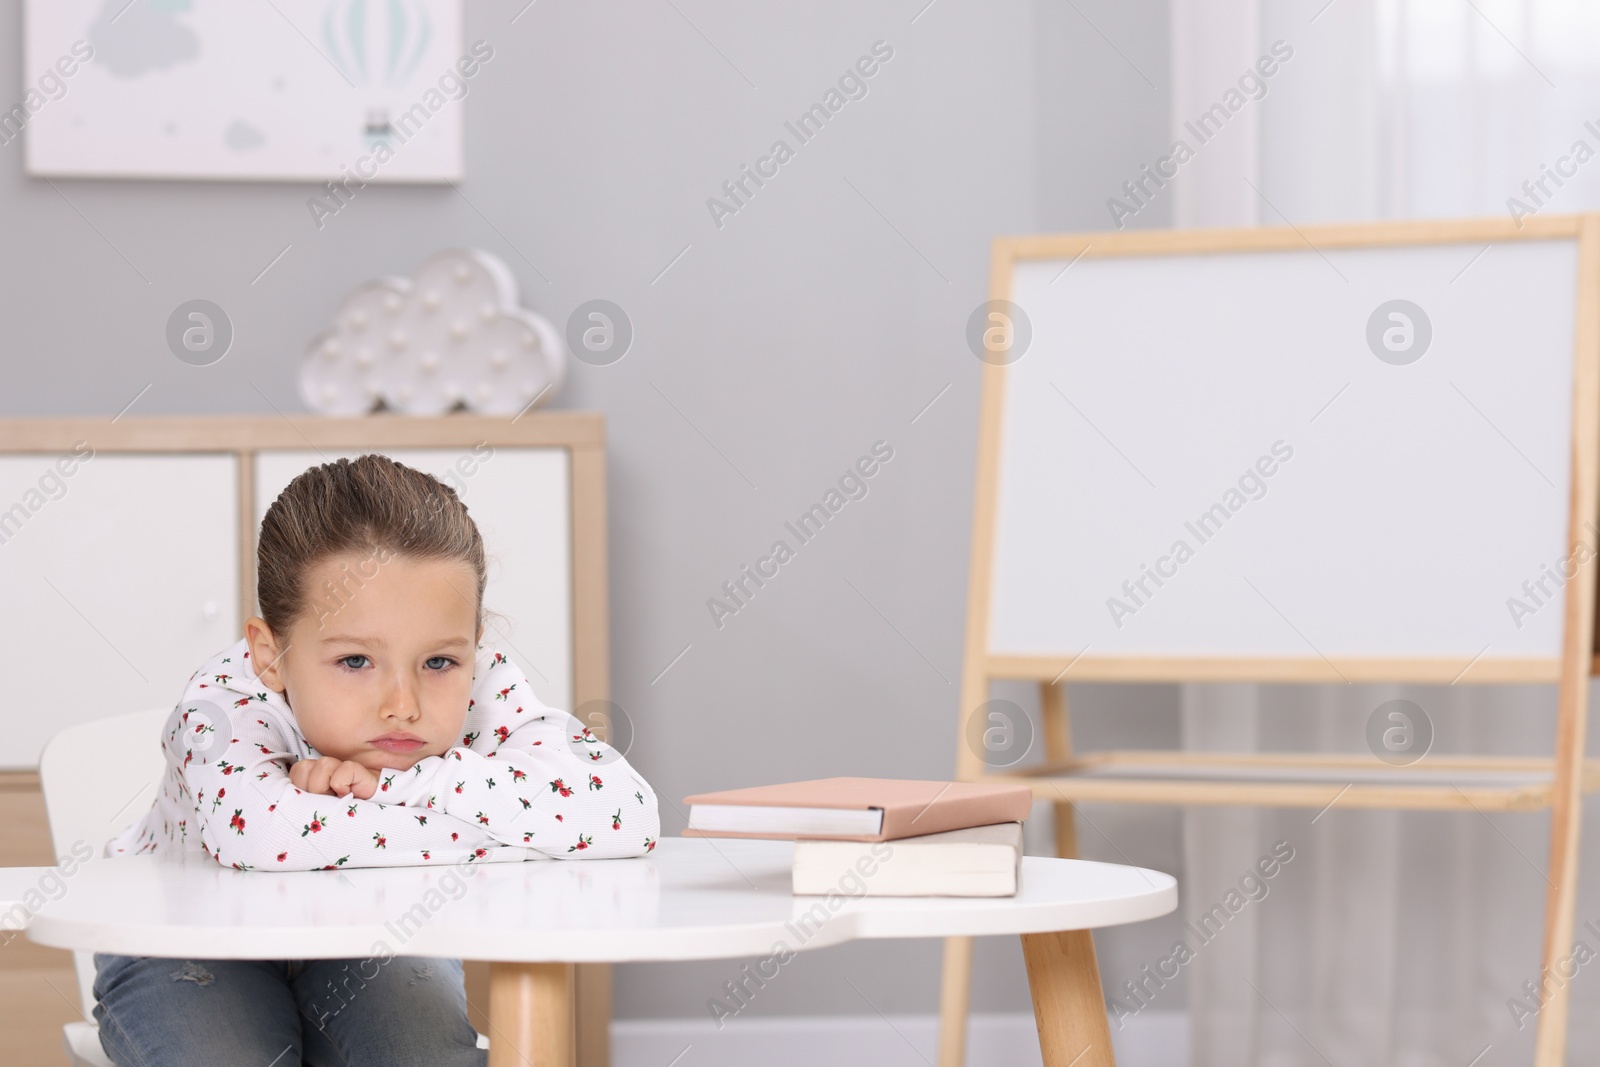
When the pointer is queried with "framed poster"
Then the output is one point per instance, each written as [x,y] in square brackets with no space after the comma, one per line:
[293,90]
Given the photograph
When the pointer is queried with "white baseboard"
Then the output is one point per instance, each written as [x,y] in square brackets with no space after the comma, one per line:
[1151,1039]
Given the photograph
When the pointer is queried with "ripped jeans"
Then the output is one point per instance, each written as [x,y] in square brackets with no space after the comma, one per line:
[403,1011]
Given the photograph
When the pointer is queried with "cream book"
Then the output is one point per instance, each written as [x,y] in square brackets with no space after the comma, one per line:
[979,861]
[854,809]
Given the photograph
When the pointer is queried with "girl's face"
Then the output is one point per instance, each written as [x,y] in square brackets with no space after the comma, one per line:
[384,651]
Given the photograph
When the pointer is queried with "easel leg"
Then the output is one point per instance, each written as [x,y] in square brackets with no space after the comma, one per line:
[593,997]
[1561,898]
[1068,1005]
[955,995]
[530,1015]
[1057,730]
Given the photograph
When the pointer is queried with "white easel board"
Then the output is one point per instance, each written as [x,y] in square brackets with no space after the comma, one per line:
[1409,497]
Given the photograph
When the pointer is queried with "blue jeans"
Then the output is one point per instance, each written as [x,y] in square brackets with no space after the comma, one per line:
[405,1011]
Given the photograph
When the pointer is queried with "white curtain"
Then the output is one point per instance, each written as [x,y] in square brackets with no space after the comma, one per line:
[1390,938]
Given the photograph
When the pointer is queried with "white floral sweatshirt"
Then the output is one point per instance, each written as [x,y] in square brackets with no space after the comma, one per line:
[525,782]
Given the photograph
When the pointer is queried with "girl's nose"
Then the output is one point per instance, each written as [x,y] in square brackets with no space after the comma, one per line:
[400,702]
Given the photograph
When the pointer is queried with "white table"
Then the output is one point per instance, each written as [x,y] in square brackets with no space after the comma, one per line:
[16,886]
[690,899]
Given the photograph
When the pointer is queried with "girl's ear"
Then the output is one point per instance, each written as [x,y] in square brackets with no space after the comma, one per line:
[264,653]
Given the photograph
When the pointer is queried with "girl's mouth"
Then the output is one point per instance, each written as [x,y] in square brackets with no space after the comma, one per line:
[397,745]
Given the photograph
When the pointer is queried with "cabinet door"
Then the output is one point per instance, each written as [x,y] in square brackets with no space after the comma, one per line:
[521,500]
[116,583]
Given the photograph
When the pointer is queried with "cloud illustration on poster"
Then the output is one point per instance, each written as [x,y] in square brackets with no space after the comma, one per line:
[132,40]
[451,336]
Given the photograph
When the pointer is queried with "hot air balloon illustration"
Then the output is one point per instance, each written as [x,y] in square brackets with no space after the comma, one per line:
[376,43]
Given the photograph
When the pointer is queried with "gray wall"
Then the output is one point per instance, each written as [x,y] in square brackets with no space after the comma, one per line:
[826,315]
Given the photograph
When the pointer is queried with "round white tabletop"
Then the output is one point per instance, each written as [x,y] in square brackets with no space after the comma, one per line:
[692,898]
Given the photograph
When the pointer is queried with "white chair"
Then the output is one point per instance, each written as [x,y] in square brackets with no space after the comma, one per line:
[122,756]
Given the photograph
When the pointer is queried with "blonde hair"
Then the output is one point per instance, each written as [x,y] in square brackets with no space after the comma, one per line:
[367,506]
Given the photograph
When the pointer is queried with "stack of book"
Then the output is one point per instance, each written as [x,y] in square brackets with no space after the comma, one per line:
[881,837]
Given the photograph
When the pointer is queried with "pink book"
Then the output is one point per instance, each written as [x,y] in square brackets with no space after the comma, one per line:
[855,809]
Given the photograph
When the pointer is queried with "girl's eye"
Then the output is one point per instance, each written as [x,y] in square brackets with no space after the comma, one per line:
[445,663]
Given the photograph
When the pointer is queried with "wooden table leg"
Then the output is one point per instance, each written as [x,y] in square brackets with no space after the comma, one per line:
[593,1010]
[1068,1005]
[530,1015]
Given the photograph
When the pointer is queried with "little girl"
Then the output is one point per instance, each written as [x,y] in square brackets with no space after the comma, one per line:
[359,723]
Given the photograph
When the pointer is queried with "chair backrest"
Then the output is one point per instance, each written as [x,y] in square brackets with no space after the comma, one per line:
[121,761]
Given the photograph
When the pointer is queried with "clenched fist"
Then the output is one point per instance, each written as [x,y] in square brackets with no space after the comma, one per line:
[334,777]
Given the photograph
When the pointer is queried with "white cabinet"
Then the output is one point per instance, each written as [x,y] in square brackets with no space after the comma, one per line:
[116,582]
[520,499]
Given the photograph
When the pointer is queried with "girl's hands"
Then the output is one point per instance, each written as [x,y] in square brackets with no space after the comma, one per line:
[330,776]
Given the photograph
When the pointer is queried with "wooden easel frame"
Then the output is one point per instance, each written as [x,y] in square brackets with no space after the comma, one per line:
[1557,783]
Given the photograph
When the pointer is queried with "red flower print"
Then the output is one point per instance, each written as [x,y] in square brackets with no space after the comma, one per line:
[237,822]
[649,844]
[558,786]
[314,826]
[560,819]
[459,785]
[352,811]
[517,776]
[454,836]
[467,739]
[502,694]
[425,855]
[501,733]
[282,856]
[595,782]
[584,841]
[482,818]
[616,820]
[379,841]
